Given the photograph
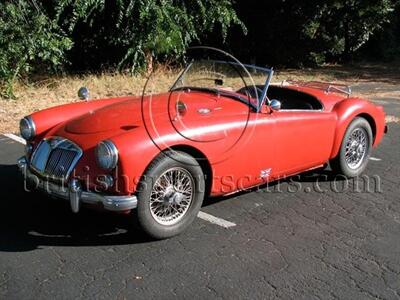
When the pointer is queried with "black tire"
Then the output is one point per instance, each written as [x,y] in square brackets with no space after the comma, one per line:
[171,160]
[342,166]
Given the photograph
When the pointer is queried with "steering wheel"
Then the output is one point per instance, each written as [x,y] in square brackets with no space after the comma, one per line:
[251,91]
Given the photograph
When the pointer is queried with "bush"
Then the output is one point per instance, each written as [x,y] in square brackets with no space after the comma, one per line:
[130,33]
[29,42]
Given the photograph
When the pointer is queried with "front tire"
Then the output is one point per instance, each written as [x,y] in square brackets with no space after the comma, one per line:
[355,150]
[170,195]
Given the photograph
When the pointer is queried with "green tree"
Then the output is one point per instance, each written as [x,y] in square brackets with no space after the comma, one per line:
[136,31]
[29,42]
[385,45]
[293,32]
[344,26]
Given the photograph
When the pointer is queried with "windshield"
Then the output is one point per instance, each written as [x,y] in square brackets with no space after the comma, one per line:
[245,83]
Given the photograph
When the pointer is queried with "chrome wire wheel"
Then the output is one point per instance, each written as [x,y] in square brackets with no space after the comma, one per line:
[356,148]
[171,196]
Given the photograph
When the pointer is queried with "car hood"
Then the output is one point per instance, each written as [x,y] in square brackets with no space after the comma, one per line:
[112,117]
[133,112]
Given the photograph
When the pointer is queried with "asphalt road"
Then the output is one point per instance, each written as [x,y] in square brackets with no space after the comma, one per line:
[312,237]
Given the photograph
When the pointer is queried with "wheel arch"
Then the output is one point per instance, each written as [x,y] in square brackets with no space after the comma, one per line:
[198,155]
[203,161]
[371,122]
[340,132]
[346,112]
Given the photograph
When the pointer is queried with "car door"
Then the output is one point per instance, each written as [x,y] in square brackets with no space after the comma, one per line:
[303,139]
[252,159]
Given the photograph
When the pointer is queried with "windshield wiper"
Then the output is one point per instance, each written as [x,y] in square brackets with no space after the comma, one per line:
[211,90]
[233,96]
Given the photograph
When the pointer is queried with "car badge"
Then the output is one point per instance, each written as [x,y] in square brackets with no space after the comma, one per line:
[265,173]
[204,111]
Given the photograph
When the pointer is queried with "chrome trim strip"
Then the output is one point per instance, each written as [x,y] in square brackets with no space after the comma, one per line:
[74,193]
[112,149]
[302,110]
[31,125]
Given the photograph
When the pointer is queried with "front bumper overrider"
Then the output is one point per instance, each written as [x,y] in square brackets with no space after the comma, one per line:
[74,193]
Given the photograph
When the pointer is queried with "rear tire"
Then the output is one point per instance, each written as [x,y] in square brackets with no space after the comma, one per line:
[355,150]
[170,195]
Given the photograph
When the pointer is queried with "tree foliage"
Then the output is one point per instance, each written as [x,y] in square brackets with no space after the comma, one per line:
[103,33]
[137,30]
[81,35]
[305,32]
[29,42]
[385,45]
[342,27]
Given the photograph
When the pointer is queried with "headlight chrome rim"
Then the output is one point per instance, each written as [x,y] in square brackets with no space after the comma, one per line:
[27,128]
[111,160]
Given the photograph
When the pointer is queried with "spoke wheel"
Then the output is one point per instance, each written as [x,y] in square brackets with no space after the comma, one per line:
[171,196]
[356,148]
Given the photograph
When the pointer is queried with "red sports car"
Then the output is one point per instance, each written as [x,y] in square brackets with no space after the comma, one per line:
[221,128]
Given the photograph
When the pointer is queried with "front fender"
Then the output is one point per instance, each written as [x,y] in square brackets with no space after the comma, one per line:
[349,109]
[136,151]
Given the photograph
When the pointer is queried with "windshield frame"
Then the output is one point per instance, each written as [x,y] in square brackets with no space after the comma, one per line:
[260,102]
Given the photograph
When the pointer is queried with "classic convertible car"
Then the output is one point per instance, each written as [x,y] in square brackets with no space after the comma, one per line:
[221,128]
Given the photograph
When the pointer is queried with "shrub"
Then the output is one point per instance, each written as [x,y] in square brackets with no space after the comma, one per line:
[133,32]
[29,42]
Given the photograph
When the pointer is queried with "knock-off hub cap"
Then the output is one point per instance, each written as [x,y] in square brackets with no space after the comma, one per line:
[171,196]
[356,148]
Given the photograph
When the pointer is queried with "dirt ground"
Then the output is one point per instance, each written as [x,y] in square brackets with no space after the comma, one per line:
[384,80]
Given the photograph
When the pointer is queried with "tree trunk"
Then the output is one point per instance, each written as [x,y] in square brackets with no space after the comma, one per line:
[149,62]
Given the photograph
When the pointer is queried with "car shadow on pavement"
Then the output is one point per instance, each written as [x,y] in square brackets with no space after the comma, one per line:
[31,220]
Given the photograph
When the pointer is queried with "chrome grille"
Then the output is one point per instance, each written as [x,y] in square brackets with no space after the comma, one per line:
[55,157]
[59,162]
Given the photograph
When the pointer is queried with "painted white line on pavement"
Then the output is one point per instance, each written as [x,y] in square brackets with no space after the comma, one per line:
[202,215]
[380,101]
[15,138]
[217,221]
[392,119]
[375,159]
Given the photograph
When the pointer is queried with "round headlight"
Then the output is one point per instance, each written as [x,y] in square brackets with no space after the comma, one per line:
[107,155]
[27,128]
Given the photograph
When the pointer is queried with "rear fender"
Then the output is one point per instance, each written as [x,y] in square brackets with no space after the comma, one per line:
[349,109]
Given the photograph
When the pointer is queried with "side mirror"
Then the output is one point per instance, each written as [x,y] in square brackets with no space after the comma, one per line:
[83,93]
[275,104]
